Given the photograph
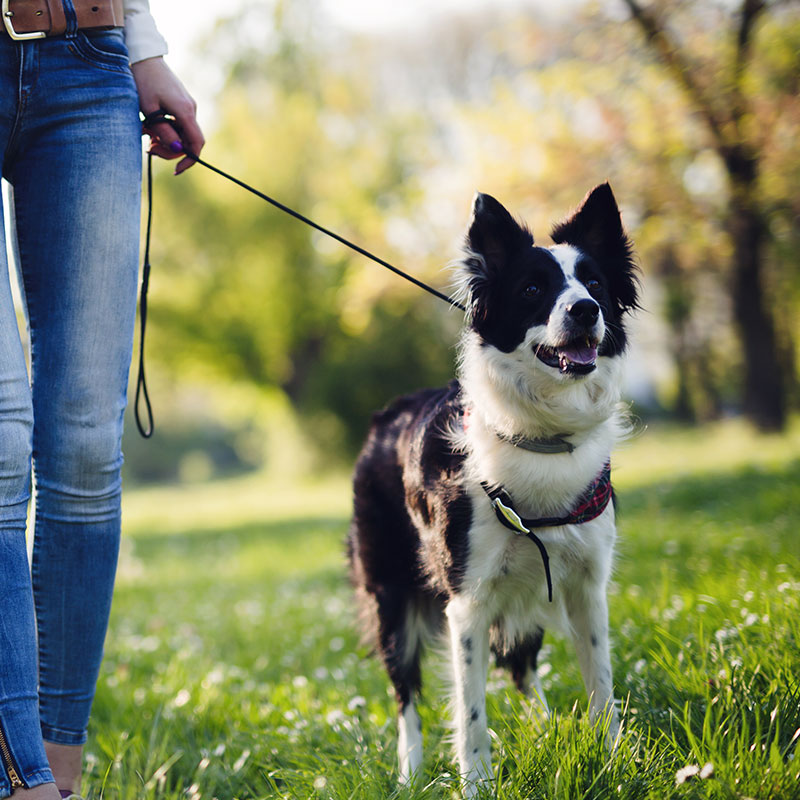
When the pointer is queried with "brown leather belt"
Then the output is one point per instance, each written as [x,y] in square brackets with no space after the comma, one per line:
[34,19]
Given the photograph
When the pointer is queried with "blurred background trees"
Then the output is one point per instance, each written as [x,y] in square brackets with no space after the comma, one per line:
[267,339]
[724,80]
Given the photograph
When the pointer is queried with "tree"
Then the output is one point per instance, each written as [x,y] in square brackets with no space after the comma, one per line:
[722,97]
[246,293]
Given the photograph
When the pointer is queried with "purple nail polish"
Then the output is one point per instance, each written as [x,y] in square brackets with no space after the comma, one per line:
[176,146]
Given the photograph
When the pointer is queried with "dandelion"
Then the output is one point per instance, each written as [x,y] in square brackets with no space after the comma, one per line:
[182,698]
[543,670]
[357,702]
[337,643]
[214,678]
[334,607]
[690,771]
[320,782]
[335,717]
[686,774]
[723,634]
[300,682]
[240,762]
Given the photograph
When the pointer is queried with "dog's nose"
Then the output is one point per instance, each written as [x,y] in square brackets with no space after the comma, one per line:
[584,312]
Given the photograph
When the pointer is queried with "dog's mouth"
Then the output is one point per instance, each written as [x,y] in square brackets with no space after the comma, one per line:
[576,357]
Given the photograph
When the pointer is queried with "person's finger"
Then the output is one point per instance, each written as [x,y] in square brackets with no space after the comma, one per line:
[165,140]
[192,138]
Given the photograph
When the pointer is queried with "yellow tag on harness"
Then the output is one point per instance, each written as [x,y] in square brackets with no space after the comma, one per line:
[510,515]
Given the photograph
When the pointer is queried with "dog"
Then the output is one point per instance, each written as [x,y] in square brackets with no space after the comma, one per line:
[482,508]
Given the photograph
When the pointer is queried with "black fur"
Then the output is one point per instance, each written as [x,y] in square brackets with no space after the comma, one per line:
[409,479]
[409,543]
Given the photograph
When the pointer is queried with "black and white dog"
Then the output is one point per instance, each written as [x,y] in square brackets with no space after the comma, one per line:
[485,504]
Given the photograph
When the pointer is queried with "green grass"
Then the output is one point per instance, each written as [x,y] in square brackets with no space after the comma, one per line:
[233,668]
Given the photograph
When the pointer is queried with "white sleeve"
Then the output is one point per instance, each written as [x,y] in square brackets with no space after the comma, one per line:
[141,35]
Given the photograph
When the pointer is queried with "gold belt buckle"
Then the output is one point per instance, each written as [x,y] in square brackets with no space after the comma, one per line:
[20,37]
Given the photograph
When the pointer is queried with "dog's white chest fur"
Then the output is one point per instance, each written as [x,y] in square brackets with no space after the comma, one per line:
[539,360]
[506,574]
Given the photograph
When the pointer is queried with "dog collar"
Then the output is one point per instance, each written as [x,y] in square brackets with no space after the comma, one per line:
[592,504]
[557,444]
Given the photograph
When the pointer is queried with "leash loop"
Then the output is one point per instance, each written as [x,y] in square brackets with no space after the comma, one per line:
[141,381]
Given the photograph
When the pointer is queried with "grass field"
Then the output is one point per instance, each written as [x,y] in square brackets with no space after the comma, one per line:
[233,668]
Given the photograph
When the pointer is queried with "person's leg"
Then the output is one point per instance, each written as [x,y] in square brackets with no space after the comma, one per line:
[77,178]
[23,762]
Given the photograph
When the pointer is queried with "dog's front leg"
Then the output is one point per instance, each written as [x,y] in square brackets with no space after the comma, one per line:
[588,612]
[469,646]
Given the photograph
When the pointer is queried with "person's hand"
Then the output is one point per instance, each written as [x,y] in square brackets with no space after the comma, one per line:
[159,88]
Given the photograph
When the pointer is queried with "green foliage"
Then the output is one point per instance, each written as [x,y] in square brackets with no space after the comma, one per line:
[385,140]
[234,669]
[243,292]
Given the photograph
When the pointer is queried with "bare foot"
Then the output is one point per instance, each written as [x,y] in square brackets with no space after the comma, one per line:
[66,763]
[47,791]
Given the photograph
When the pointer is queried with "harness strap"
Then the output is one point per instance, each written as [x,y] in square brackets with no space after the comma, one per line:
[592,504]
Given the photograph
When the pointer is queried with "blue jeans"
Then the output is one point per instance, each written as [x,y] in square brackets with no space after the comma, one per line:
[71,145]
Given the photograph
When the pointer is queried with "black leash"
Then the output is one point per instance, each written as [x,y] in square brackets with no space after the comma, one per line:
[141,382]
[163,116]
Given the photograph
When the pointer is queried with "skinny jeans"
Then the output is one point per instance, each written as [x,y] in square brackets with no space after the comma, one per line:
[70,139]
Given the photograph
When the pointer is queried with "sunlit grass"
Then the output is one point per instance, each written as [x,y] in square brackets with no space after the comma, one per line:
[234,670]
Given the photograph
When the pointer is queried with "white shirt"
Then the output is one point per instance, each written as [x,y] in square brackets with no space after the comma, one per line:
[141,35]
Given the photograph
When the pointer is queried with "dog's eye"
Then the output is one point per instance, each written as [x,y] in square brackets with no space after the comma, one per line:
[531,290]
[593,286]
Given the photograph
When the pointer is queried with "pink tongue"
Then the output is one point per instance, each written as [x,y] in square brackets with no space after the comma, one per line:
[580,355]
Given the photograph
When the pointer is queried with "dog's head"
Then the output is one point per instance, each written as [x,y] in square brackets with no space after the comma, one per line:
[561,306]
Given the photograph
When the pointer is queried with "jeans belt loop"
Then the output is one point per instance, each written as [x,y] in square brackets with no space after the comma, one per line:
[69,14]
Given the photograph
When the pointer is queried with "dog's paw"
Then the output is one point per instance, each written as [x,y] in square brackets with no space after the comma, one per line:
[477,779]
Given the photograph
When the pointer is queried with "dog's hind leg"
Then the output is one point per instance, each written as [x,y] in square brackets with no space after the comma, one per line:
[469,646]
[521,660]
[400,627]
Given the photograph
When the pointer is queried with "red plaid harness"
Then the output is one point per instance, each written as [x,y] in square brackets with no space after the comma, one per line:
[592,504]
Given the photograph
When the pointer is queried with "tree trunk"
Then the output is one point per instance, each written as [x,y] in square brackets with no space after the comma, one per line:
[763,395]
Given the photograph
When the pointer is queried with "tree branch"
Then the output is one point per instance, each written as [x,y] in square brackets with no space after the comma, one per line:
[671,56]
[749,13]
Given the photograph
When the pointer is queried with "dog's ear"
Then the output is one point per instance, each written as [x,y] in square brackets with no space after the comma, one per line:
[596,229]
[596,226]
[493,239]
[493,233]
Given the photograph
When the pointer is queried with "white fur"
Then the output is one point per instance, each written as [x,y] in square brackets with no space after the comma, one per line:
[502,597]
[515,393]
[409,743]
